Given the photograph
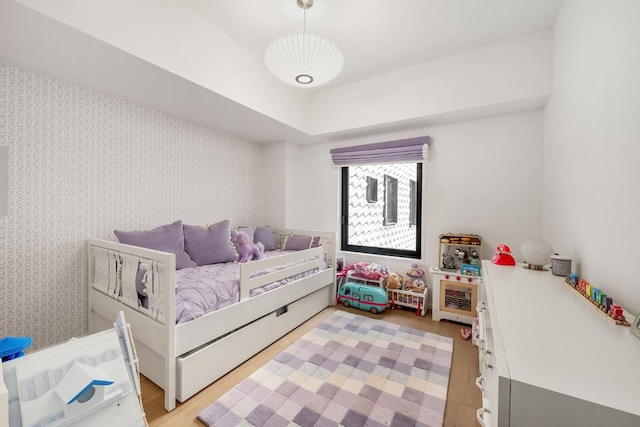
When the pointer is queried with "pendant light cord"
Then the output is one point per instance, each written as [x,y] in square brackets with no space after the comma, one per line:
[304,21]
[304,31]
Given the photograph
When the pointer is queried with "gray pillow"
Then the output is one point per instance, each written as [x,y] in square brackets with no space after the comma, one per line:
[265,236]
[210,245]
[297,243]
[249,232]
[166,238]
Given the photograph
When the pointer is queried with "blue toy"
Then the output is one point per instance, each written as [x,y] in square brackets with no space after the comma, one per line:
[12,347]
[364,297]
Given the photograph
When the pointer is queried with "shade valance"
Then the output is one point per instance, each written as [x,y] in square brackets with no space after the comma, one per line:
[398,151]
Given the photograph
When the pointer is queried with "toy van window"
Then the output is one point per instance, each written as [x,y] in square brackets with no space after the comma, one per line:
[347,291]
[368,298]
[355,295]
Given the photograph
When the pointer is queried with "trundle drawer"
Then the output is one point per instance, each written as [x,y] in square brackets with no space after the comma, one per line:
[199,368]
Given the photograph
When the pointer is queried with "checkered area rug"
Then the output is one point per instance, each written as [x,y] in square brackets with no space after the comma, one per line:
[349,371]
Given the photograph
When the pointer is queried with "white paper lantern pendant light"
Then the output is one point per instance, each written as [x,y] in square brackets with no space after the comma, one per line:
[302,59]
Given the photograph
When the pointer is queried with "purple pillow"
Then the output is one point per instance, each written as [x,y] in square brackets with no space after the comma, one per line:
[297,243]
[210,245]
[315,242]
[166,238]
[264,235]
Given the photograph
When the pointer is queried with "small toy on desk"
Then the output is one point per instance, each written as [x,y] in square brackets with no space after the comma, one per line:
[82,389]
[599,299]
[503,256]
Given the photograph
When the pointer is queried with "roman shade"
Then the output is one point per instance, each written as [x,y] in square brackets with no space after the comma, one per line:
[398,151]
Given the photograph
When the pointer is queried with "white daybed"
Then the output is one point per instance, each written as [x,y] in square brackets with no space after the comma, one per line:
[184,358]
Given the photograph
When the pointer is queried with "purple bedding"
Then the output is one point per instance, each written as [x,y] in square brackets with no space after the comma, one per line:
[201,290]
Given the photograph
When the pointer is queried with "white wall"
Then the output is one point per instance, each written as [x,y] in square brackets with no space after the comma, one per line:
[512,72]
[591,150]
[274,192]
[82,164]
[484,176]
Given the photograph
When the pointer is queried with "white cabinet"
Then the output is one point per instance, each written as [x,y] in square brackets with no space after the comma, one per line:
[494,375]
[547,358]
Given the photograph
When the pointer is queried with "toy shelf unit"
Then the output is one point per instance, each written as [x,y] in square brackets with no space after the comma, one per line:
[405,298]
[456,249]
[454,296]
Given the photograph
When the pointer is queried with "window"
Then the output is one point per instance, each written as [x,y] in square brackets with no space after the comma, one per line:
[372,190]
[390,225]
[390,200]
[413,200]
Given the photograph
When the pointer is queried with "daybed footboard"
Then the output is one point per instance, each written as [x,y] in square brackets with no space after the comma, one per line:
[112,287]
[184,358]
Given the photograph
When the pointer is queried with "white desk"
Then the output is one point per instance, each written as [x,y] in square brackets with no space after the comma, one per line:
[554,360]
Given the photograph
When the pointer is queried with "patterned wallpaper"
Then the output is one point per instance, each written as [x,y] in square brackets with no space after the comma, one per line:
[82,164]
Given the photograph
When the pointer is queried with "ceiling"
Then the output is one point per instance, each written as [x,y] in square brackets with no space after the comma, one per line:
[78,42]
[379,36]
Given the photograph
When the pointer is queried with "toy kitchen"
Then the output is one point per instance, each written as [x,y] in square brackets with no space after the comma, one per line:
[456,280]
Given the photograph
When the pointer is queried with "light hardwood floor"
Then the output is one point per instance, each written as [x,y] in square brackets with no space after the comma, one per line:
[463,399]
